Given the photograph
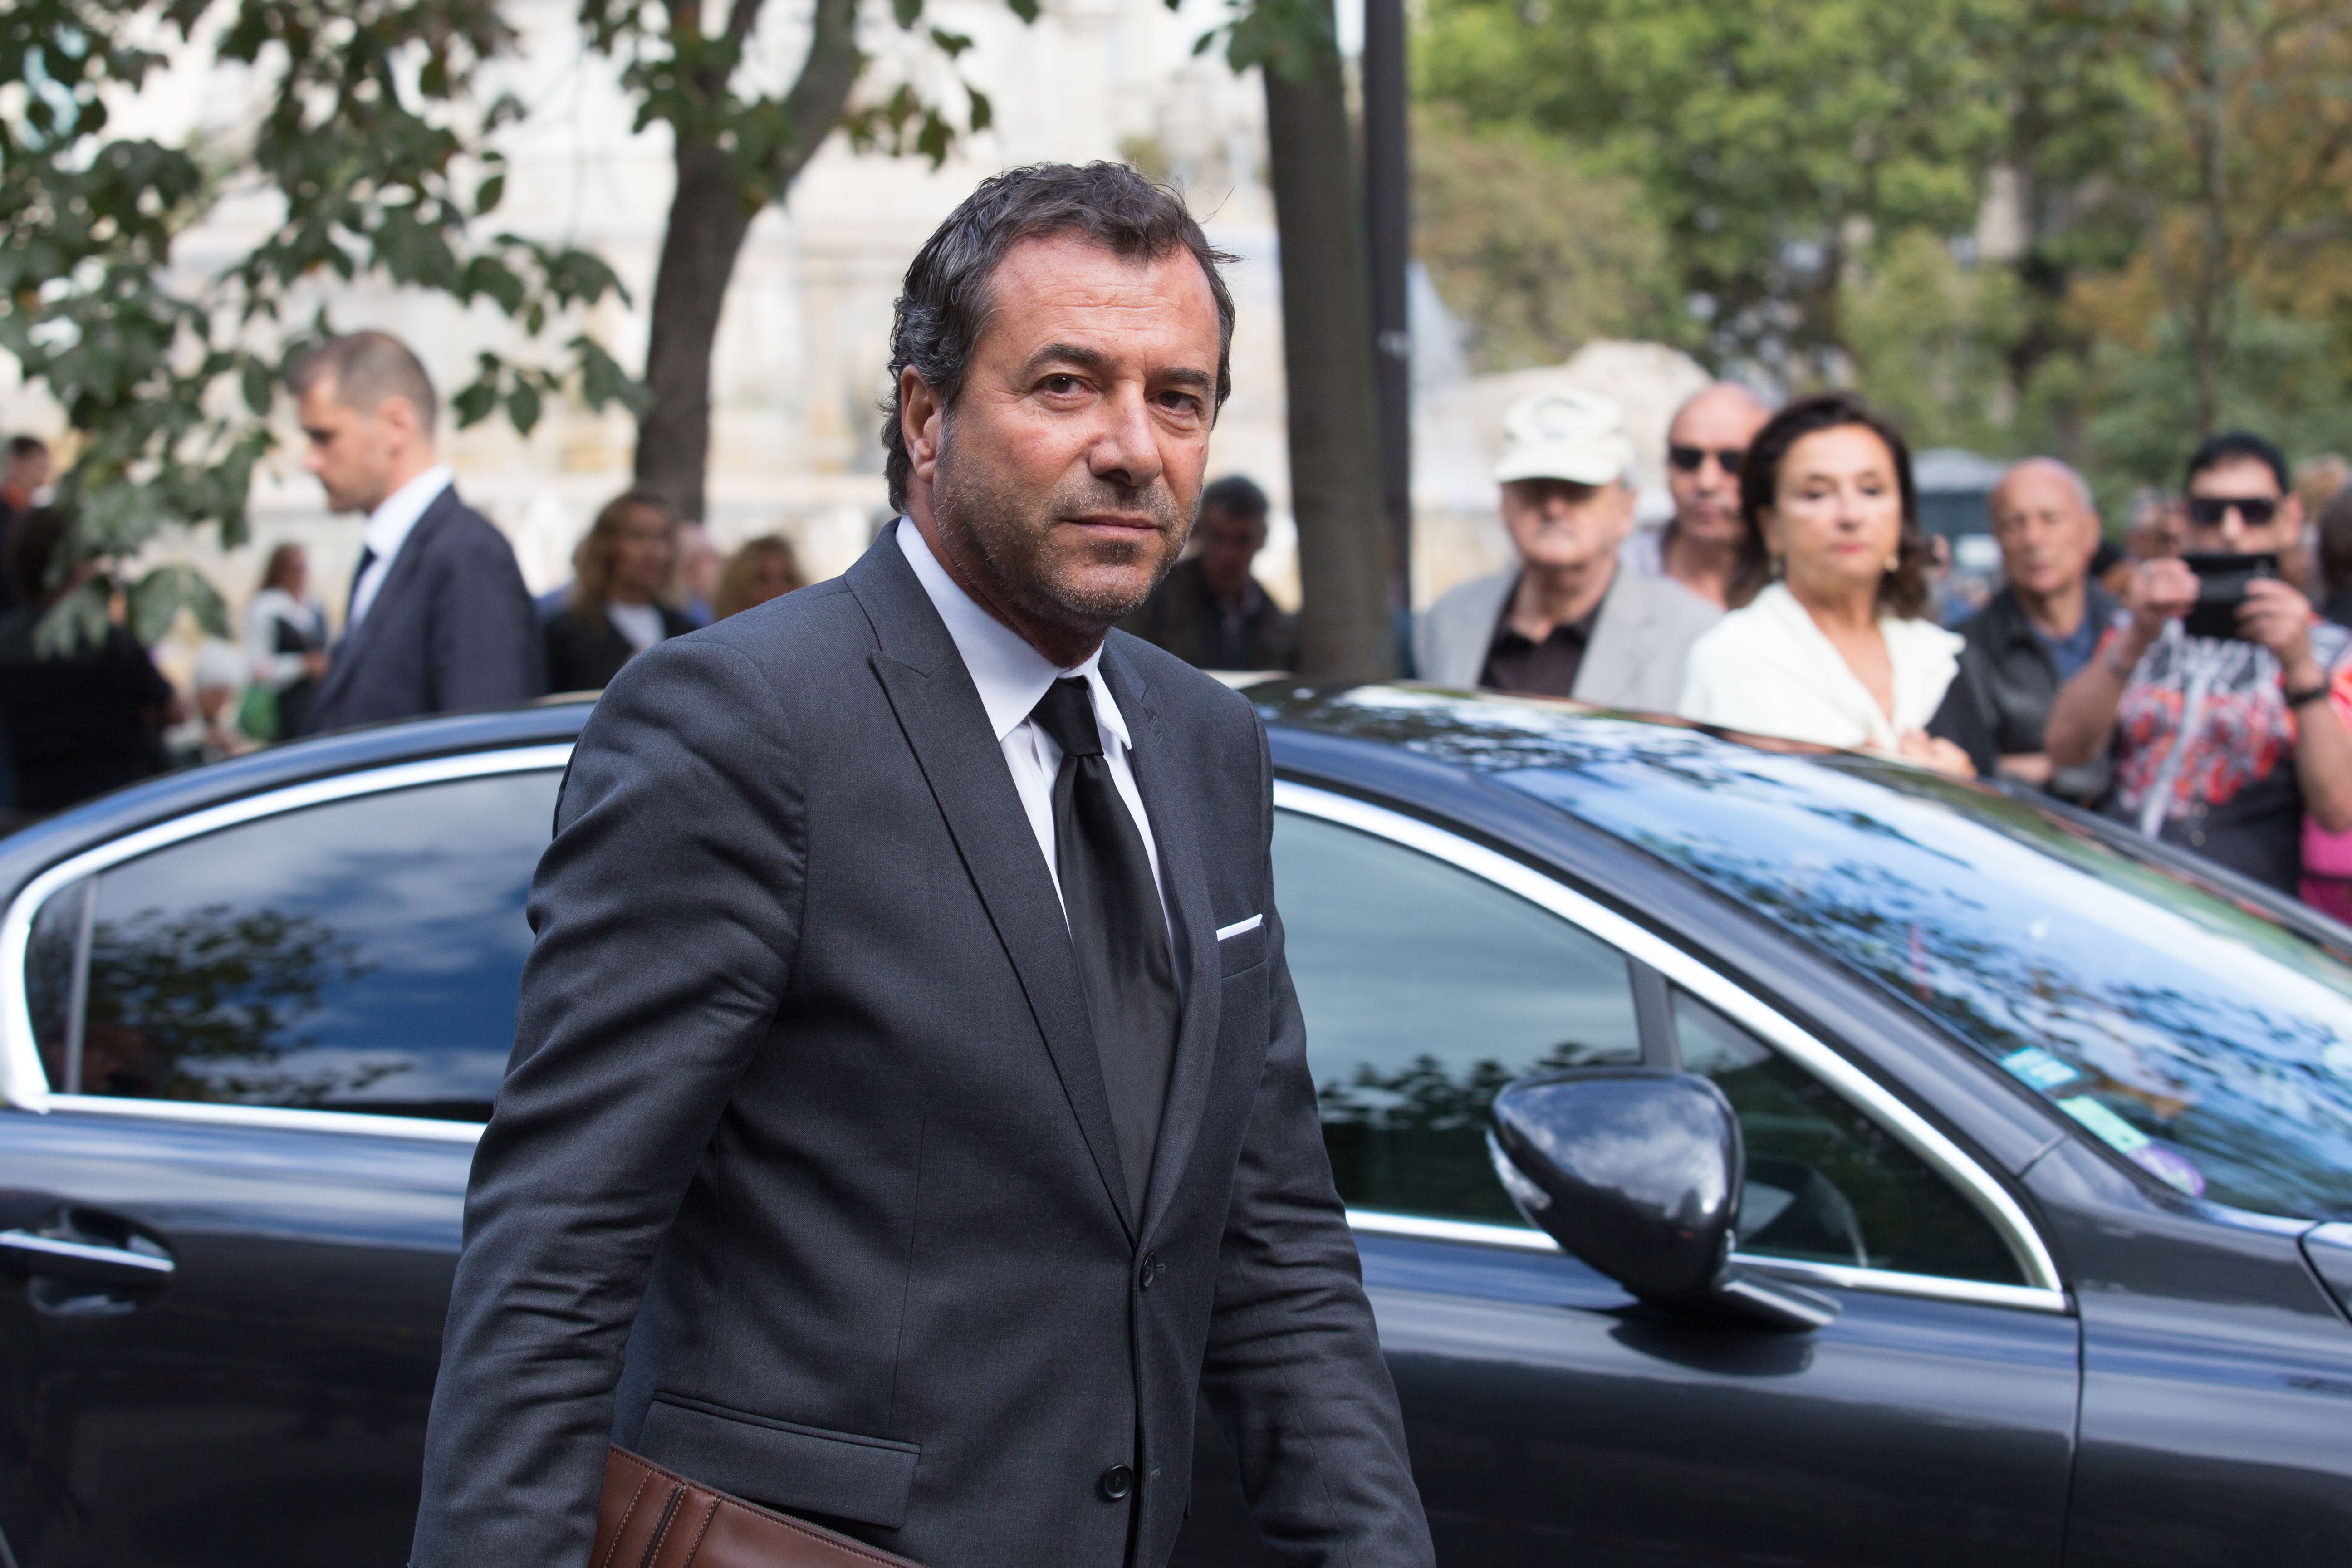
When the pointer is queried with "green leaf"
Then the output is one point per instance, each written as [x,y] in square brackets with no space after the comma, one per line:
[983,112]
[476,401]
[523,405]
[1027,10]
[76,622]
[488,195]
[157,599]
[906,12]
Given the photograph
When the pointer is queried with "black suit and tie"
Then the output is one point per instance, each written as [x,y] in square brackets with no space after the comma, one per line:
[836,1168]
[451,627]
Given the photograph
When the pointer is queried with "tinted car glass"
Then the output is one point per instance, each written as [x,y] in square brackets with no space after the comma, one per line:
[363,954]
[2197,1037]
[1825,1183]
[1425,990]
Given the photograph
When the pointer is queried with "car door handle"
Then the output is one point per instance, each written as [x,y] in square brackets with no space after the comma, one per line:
[91,1262]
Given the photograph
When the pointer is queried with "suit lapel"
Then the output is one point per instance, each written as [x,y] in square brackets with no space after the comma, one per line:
[397,580]
[1618,634]
[1176,832]
[940,710]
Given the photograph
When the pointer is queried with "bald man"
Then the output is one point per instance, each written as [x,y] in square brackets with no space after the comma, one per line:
[2041,628]
[1699,547]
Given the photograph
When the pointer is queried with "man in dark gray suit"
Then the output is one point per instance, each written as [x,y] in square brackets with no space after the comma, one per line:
[439,619]
[910,1111]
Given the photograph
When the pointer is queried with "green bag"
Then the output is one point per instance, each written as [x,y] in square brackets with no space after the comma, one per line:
[256,715]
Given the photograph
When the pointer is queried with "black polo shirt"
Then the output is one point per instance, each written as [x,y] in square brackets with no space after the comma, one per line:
[1546,669]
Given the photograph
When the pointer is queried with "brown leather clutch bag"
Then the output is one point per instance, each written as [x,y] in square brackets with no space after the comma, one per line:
[652,1519]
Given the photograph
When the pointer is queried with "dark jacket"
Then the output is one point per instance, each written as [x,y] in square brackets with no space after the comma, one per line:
[79,725]
[2008,681]
[452,628]
[805,1113]
[1183,616]
[584,652]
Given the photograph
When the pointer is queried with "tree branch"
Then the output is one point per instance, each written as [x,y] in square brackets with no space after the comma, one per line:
[815,105]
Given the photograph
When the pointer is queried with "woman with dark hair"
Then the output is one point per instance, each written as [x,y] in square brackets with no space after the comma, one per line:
[765,568]
[1829,645]
[624,580]
[286,639]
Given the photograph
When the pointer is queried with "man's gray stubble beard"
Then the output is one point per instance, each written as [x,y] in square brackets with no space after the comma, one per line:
[982,523]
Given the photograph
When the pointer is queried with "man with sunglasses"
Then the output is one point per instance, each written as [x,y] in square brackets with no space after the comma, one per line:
[2220,744]
[1699,547]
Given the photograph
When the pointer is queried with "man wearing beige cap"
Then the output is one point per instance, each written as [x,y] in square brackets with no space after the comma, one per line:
[1567,622]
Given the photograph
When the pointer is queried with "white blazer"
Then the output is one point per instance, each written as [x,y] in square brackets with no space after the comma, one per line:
[1768,670]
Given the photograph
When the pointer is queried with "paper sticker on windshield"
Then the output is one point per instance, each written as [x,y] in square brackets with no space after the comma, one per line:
[2110,1129]
[2039,1068]
[2170,1167]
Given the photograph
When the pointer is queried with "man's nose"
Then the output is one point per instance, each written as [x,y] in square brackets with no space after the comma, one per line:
[1127,450]
[2234,527]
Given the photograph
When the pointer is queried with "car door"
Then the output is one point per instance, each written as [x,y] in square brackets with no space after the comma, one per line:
[269,1033]
[1551,1417]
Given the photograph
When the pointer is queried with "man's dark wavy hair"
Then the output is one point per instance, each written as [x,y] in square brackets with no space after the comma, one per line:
[944,303]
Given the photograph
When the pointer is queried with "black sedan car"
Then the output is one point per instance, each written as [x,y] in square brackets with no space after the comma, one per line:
[2050,1128]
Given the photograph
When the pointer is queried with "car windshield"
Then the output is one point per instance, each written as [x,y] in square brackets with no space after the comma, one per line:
[2206,1042]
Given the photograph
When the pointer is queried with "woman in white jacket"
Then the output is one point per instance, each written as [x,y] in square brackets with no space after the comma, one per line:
[1830,647]
[286,636]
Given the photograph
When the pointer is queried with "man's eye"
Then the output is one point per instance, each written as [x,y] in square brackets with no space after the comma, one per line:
[1059,385]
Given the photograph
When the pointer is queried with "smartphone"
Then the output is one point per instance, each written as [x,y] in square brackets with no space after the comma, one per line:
[2220,588]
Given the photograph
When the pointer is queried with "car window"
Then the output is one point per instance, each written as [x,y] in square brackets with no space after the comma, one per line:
[1824,1183]
[1425,990]
[363,954]
[2194,1033]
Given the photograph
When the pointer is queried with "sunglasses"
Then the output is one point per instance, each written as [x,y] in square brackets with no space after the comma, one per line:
[2210,511]
[1689,459]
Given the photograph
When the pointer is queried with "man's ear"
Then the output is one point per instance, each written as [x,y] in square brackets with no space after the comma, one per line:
[399,415]
[921,419]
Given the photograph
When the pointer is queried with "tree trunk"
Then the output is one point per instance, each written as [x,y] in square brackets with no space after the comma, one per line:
[707,220]
[1335,470]
[708,215]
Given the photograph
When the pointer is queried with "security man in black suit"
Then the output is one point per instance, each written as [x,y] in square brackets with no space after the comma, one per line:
[910,1113]
[439,619]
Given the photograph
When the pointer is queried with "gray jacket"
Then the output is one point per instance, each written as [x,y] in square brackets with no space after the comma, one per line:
[1639,644]
[805,1114]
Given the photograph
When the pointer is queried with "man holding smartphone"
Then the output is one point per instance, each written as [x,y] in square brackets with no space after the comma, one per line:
[2223,698]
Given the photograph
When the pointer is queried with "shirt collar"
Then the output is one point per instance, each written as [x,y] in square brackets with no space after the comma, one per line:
[389,525]
[1012,677]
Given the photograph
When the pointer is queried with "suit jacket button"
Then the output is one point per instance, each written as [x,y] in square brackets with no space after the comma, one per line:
[1116,1482]
[1151,1266]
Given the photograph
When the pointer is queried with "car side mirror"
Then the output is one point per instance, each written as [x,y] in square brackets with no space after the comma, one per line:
[1637,1170]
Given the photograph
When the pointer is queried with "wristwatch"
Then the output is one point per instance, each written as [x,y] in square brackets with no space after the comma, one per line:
[2308,694]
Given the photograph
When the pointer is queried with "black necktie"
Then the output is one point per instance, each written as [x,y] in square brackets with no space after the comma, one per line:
[1117,927]
[359,574]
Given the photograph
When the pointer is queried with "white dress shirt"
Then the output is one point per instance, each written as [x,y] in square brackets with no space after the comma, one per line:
[1013,679]
[388,528]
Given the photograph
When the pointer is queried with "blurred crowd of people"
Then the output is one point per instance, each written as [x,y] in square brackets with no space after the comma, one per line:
[437,619]
[2196,683]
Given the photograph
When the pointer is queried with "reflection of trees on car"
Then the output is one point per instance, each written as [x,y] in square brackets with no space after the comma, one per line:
[204,1004]
[1414,1140]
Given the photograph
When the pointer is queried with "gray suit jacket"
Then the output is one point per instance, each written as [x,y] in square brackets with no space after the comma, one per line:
[452,628]
[1635,661]
[804,1112]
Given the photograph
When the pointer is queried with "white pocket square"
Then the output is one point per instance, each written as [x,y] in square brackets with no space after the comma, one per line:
[1225,934]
